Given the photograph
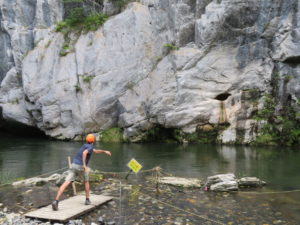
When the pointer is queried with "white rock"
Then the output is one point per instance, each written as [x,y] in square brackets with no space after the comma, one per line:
[250,182]
[222,182]
[180,181]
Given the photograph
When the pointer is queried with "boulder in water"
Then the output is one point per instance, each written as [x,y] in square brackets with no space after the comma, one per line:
[222,182]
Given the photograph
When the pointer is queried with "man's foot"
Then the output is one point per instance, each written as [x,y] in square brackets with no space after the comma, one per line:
[55,205]
[87,201]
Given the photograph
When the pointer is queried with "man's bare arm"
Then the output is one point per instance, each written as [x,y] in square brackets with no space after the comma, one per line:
[102,151]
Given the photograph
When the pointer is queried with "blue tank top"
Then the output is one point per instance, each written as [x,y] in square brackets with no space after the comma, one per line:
[78,158]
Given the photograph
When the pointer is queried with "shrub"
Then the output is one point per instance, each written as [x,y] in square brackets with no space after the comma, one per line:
[65,50]
[94,21]
[87,78]
[79,20]
[282,127]
[77,88]
[60,26]
[171,47]
[48,44]
[73,1]
[15,101]
[287,78]
[130,85]
[120,3]
[76,17]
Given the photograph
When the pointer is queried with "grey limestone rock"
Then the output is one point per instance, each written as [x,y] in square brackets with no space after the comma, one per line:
[122,75]
[24,24]
[250,182]
[222,182]
[181,182]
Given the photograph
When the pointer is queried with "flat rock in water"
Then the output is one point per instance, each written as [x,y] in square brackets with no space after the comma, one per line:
[181,182]
[250,182]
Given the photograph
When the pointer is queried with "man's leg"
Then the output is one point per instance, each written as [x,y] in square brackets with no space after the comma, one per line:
[87,192]
[87,189]
[59,193]
[61,189]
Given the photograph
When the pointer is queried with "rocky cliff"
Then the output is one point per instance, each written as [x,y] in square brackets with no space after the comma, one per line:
[199,70]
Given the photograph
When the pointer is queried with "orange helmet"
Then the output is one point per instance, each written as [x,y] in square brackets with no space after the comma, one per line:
[90,138]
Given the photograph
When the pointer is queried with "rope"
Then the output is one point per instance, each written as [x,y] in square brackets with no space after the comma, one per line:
[50,172]
[120,206]
[160,172]
[142,171]
[185,211]
[269,192]
[167,204]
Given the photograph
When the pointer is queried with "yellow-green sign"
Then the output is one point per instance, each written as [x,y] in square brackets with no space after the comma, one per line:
[134,165]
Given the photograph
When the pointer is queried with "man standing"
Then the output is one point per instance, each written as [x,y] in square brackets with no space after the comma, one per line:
[79,167]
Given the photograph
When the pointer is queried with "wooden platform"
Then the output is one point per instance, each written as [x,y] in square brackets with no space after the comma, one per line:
[69,208]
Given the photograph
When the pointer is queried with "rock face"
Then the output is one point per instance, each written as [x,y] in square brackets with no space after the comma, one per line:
[23,25]
[121,75]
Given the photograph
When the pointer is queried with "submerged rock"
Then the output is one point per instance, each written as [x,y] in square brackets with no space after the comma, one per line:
[181,182]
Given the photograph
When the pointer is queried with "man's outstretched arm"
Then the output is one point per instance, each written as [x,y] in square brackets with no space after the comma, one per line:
[102,151]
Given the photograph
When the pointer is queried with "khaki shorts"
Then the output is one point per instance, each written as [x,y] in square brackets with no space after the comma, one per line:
[75,171]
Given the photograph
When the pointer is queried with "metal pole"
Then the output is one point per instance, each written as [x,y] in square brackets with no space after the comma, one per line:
[120,206]
[73,184]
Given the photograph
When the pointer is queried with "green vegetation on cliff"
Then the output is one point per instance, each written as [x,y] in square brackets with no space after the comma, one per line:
[279,126]
[112,135]
[79,20]
[170,47]
[204,134]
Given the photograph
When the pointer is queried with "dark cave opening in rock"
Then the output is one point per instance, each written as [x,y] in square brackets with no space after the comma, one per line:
[12,128]
[222,97]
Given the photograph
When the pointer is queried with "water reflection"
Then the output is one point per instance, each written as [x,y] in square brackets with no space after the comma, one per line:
[279,167]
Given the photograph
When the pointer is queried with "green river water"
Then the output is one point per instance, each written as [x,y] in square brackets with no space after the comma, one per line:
[278,166]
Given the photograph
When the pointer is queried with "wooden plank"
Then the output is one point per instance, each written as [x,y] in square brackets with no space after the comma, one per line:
[69,208]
